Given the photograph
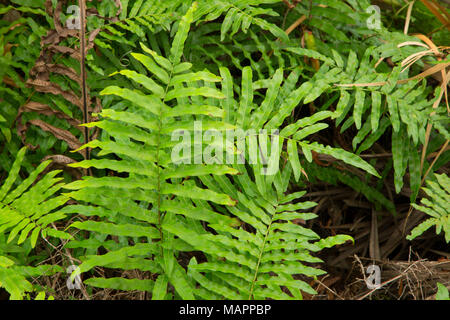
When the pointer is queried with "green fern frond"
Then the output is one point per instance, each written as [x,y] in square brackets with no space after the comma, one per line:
[278,104]
[240,14]
[26,211]
[442,293]
[368,94]
[267,255]
[437,207]
[13,277]
[134,207]
[13,282]
[31,208]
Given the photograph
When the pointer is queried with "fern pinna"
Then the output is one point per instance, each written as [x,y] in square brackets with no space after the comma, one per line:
[437,207]
[28,211]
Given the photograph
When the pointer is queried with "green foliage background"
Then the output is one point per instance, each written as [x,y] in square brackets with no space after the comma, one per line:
[212,231]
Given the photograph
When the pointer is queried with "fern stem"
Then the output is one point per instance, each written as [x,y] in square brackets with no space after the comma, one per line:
[84,97]
[259,259]
[158,186]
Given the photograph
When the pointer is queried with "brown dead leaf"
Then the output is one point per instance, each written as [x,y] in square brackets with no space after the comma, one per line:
[50,87]
[44,109]
[65,50]
[47,65]
[42,70]
[59,133]
[60,161]
[10,82]
[54,37]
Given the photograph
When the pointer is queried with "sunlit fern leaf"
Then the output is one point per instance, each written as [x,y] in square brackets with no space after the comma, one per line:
[239,14]
[263,259]
[437,206]
[404,107]
[241,262]
[442,293]
[13,282]
[13,277]
[151,178]
[270,115]
[30,209]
